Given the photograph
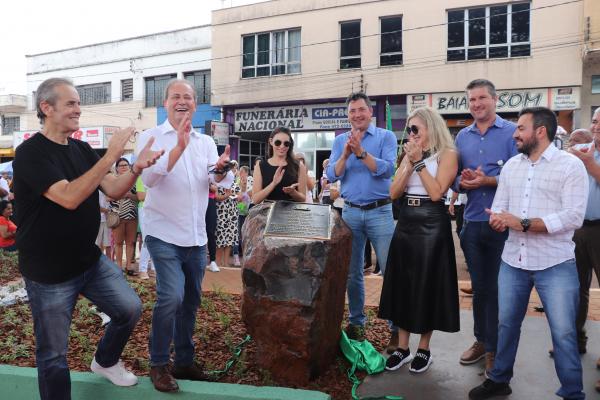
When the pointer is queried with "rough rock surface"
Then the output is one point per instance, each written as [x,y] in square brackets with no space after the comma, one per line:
[293,301]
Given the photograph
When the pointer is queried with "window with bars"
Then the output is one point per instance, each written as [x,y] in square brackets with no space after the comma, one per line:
[271,53]
[10,125]
[127,90]
[391,41]
[349,44]
[250,151]
[501,31]
[155,89]
[201,82]
[97,93]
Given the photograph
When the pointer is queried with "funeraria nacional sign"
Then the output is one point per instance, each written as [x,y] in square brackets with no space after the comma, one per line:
[297,118]
[508,100]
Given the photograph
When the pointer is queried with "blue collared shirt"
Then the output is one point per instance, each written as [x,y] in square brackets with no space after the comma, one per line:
[359,184]
[490,151]
[592,211]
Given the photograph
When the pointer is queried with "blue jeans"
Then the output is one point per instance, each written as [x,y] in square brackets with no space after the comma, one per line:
[558,287]
[378,226]
[179,273]
[482,247]
[52,309]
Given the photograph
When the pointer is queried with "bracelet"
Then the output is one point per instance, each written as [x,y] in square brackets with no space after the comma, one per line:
[133,172]
[418,166]
[416,162]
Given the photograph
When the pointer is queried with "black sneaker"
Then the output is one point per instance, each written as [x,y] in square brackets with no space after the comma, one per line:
[489,389]
[355,332]
[421,362]
[398,359]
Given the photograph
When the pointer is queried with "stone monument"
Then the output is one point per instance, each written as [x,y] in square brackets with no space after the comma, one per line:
[296,259]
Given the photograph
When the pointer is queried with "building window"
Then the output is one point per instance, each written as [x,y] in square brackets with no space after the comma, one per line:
[350,44]
[271,53]
[155,89]
[489,32]
[201,82]
[98,93]
[10,125]
[391,41]
[250,151]
[127,90]
[595,84]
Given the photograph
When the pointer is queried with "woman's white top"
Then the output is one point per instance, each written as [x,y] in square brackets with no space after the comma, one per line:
[414,185]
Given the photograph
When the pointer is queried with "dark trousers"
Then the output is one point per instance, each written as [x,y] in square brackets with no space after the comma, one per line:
[587,257]
[483,247]
[211,227]
[459,212]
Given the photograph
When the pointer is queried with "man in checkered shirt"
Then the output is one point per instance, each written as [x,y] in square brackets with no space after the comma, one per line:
[541,200]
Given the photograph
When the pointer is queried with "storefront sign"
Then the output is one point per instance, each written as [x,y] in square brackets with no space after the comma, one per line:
[220,132]
[415,101]
[565,98]
[297,118]
[508,100]
[97,137]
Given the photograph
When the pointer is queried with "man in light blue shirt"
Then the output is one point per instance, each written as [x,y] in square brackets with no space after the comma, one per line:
[586,238]
[364,160]
[483,147]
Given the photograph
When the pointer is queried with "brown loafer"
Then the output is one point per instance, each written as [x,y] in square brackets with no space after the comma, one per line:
[162,379]
[193,372]
[473,354]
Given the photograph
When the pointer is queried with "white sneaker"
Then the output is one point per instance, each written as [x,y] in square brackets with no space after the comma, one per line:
[236,260]
[213,267]
[117,374]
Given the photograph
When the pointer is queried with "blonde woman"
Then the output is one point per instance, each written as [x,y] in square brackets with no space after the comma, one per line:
[420,292]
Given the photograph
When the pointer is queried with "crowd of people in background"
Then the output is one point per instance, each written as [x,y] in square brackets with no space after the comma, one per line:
[527,215]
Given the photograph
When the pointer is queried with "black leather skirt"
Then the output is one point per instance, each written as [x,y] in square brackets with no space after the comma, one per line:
[420,288]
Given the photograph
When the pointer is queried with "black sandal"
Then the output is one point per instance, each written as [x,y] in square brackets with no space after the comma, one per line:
[131,272]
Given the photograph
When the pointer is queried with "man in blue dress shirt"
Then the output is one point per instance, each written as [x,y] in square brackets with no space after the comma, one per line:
[484,147]
[363,159]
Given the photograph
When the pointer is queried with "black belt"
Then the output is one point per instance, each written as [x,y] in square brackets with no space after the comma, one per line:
[370,206]
[416,201]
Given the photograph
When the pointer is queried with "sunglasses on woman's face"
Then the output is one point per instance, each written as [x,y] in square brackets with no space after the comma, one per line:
[413,129]
[123,165]
[278,143]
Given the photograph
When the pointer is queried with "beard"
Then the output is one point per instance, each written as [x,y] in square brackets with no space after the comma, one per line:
[527,147]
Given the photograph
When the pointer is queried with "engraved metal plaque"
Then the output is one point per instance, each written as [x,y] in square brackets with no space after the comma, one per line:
[299,220]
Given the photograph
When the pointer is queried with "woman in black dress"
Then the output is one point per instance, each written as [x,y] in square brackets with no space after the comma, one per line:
[280,177]
[420,289]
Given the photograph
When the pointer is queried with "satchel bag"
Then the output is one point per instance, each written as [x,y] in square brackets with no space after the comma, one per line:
[112,219]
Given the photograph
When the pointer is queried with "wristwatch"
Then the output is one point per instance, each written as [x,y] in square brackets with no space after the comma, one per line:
[362,155]
[525,223]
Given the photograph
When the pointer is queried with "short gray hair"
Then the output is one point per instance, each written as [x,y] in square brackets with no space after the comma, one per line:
[477,83]
[583,132]
[45,92]
[174,81]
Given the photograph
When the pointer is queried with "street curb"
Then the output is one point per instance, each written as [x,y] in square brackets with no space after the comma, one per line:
[20,383]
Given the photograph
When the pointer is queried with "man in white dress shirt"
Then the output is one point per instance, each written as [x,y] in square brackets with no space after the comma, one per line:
[541,199]
[175,233]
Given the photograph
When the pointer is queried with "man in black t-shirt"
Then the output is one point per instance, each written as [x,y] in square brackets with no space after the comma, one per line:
[57,211]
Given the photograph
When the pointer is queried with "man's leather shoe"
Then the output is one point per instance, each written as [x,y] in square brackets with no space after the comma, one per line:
[467,290]
[193,372]
[162,379]
[473,354]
